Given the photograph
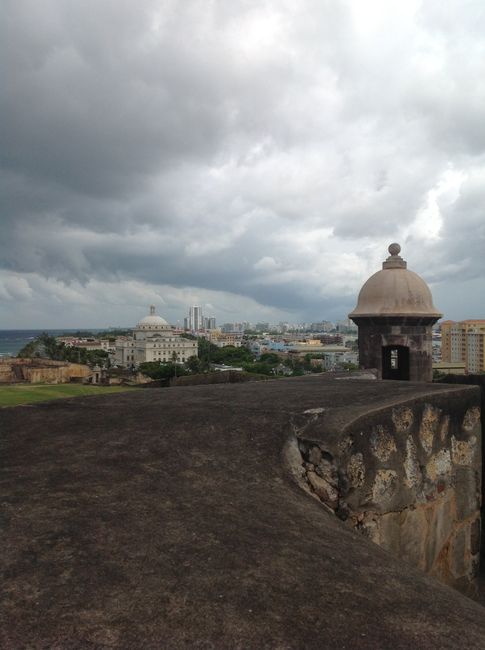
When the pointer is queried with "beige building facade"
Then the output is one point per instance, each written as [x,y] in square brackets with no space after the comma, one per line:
[153,340]
[223,339]
[464,341]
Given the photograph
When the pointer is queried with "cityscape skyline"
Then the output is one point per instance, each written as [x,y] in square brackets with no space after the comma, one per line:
[260,175]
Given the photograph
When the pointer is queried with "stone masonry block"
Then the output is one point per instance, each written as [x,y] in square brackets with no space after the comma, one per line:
[323,489]
[411,465]
[382,443]
[402,418]
[466,492]
[458,552]
[414,536]
[390,532]
[463,451]
[440,527]
[471,421]
[356,470]
[475,537]
[385,486]
[439,465]
[429,426]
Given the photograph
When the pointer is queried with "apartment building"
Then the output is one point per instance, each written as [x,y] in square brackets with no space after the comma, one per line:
[464,341]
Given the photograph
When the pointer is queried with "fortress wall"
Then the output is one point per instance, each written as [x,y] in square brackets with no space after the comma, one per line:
[41,371]
[46,375]
[79,370]
[6,373]
[407,476]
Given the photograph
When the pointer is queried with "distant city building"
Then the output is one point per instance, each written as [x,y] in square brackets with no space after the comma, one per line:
[210,323]
[450,368]
[464,342]
[153,339]
[224,339]
[233,327]
[331,339]
[85,343]
[196,319]
[346,326]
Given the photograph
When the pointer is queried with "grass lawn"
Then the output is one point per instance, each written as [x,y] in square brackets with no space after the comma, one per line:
[15,394]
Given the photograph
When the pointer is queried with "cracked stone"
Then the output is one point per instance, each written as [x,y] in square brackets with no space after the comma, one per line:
[323,489]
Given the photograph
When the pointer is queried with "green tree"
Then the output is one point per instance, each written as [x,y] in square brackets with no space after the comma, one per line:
[259,368]
[270,357]
[347,365]
[193,365]
[157,370]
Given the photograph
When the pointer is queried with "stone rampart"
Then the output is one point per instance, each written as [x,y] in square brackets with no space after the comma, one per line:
[166,518]
[41,371]
[408,477]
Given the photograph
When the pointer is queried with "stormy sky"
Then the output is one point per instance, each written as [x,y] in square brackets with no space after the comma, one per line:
[253,157]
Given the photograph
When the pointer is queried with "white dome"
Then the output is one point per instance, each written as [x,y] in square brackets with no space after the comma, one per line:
[152,321]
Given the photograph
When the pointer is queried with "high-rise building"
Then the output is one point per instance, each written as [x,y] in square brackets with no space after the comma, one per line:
[464,342]
[196,320]
[209,323]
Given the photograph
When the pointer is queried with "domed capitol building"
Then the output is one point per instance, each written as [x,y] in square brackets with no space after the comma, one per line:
[153,340]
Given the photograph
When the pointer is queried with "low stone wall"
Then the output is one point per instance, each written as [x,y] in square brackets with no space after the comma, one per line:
[408,477]
[42,371]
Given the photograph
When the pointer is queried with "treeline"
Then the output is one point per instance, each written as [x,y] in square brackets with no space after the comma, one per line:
[269,364]
[47,346]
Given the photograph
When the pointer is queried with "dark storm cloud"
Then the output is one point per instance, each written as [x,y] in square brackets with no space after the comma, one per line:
[262,152]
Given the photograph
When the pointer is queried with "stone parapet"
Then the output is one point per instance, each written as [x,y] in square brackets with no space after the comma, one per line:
[166,518]
[408,476]
[41,371]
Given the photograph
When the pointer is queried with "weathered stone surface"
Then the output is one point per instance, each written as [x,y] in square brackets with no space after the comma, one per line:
[166,518]
[414,536]
[472,419]
[382,443]
[440,526]
[389,526]
[463,451]
[356,470]
[403,419]
[315,455]
[371,530]
[405,482]
[439,465]
[444,428]
[475,537]
[385,486]
[458,551]
[328,471]
[345,444]
[323,489]
[467,492]
[429,425]
[411,466]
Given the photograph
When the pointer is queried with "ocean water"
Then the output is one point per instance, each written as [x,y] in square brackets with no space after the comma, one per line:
[12,341]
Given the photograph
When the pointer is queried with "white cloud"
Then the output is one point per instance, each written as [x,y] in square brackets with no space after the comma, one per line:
[255,156]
